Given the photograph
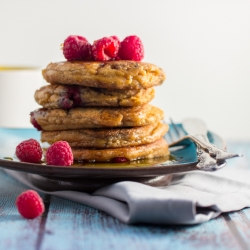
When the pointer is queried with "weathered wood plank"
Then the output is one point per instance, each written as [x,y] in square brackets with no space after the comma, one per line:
[15,231]
[242,227]
[75,226]
[69,225]
[241,219]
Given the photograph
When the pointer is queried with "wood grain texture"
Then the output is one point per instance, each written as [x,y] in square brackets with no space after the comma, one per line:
[239,228]
[91,229]
[239,222]
[68,225]
[16,232]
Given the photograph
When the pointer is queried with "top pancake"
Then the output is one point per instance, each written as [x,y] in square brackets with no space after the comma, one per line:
[109,74]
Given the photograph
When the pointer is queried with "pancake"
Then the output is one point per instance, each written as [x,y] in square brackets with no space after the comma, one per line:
[66,96]
[158,148]
[95,117]
[107,138]
[109,74]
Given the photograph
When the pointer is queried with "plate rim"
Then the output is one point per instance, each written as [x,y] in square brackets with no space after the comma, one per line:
[59,171]
[155,169]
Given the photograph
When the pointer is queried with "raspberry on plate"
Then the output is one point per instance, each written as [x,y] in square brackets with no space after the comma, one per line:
[77,48]
[29,204]
[131,48]
[29,151]
[59,154]
[106,48]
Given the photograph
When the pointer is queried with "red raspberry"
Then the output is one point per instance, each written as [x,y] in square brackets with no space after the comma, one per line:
[106,48]
[59,154]
[29,204]
[119,44]
[29,151]
[116,39]
[131,49]
[77,48]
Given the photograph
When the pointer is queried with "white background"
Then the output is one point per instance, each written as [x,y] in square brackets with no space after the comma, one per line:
[203,46]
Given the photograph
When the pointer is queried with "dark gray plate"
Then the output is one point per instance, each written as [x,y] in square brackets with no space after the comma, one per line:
[181,159]
[92,176]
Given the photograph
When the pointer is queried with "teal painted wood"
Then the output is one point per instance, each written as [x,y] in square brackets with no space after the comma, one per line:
[241,219]
[80,227]
[73,226]
[15,232]
[69,225]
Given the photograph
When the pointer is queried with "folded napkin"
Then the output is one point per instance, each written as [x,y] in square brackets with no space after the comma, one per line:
[190,198]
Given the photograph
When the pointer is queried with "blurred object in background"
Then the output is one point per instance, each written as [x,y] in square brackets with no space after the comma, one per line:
[17,87]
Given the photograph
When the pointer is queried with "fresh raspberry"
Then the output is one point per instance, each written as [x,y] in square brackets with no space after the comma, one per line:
[34,122]
[131,49]
[117,58]
[59,154]
[77,48]
[29,204]
[116,39]
[106,48]
[29,151]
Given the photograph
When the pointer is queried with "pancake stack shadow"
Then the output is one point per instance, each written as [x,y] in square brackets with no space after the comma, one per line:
[102,110]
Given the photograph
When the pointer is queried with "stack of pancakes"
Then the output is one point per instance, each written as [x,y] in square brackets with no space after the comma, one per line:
[101,109]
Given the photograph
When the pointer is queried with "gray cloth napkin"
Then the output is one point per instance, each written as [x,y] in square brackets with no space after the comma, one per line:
[191,197]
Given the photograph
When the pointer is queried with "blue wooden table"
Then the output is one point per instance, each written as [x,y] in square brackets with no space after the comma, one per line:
[68,225]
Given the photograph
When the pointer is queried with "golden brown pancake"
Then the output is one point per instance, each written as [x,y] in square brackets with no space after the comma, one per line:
[158,148]
[95,117]
[107,138]
[109,74]
[69,96]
